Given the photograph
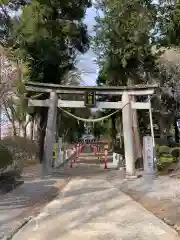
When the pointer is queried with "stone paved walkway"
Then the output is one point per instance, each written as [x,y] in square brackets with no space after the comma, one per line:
[27,200]
[90,207]
[93,209]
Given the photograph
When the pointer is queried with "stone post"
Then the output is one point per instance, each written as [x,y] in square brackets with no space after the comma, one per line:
[128,134]
[50,133]
[148,157]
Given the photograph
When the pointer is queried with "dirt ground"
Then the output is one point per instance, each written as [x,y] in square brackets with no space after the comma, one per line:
[161,196]
[27,200]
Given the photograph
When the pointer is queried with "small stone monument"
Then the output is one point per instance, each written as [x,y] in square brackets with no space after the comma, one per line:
[148,156]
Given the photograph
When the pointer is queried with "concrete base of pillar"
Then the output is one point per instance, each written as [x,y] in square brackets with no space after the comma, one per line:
[150,176]
[131,177]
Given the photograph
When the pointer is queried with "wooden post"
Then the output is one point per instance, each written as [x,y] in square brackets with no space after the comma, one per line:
[50,133]
[128,134]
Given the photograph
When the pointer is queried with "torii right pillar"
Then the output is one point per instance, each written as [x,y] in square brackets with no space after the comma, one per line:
[128,135]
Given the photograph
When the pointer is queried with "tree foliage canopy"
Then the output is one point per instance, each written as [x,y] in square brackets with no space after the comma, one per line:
[49,35]
[46,36]
[124,40]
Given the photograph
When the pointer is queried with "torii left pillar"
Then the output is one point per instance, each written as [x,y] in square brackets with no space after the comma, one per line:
[50,134]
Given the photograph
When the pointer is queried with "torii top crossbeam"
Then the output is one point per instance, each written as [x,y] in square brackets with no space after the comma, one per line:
[111,90]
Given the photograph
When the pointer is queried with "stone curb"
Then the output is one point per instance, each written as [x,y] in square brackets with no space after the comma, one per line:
[11,233]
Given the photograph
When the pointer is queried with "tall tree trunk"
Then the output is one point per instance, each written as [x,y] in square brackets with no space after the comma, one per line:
[31,130]
[11,118]
[24,131]
[42,132]
[161,129]
[176,130]
[119,130]
[137,140]
[135,126]
[14,128]
[113,130]
[35,128]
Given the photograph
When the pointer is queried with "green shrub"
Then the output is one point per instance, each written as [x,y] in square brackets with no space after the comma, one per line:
[24,151]
[175,152]
[164,150]
[166,158]
[6,158]
[21,143]
[164,161]
[173,144]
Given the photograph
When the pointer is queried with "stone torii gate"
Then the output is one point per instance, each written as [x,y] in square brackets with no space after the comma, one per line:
[126,104]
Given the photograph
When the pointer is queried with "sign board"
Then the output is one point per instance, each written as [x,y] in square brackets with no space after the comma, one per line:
[148,155]
[90,99]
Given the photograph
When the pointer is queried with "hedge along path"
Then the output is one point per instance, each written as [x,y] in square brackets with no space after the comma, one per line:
[168,158]
[6,158]
[23,152]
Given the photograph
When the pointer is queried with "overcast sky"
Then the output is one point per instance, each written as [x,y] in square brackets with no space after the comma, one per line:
[86,63]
